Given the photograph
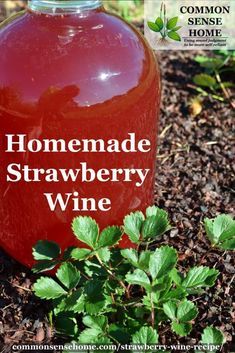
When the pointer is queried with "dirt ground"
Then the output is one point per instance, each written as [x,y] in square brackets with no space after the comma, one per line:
[194,179]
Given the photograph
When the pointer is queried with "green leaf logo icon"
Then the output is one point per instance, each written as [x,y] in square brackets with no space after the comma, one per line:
[166,27]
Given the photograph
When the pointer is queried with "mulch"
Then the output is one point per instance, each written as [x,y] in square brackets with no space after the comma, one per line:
[194,179]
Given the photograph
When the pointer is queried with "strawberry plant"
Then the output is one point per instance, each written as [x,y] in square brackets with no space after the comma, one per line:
[221,231]
[103,294]
[210,82]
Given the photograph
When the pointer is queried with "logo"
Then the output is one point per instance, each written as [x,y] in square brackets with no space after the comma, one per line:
[166,27]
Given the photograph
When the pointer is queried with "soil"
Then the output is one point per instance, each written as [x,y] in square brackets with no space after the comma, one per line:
[194,179]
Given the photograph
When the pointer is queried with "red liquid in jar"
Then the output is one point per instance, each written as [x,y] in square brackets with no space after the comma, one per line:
[73,77]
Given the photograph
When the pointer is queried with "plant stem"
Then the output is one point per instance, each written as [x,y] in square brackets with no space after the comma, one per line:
[152,311]
[113,276]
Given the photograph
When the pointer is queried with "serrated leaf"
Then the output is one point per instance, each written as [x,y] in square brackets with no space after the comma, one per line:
[155,225]
[133,224]
[212,335]
[150,227]
[131,255]
[104,254]
[80,254]
[170,309]
[162,220]
[162,261]
[46,250]
[109,236]
[86,230]
[200,276]
[181,329]
[174,35]
[89,335]
[97,322]
[221,231]
[159,23]
[68,275]
[140,278]
[172,22]
[146,335]
[223,227]
[204,80]
[186,311]
[73,302]
[208,224]
[152,211]
[94,307]
[47,288]
[153,26]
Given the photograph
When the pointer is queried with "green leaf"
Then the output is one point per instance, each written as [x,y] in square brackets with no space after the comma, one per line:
[212,335]
[181,329]
[66,324]
[204,80]
[47,288]
[73,302]
[118,332]
[150,227]
[109,236]
[200,276]
[98,322]
[152,211]
[176,276]
[146,335]
[133,224]
[131,255]
[174,35]
[186,311]
[94,296]
[221,231]
[104,254]
[223,227]
[208,224]
[89,335]
[94,307]
[80,254]
[178,293]
[68,275]
[159,23]
[228,244]
[140,278]
[46,250]
[153,26]
[162,220]
[170,309]
[86,230]
[176,28]
[144,260]
[172,22]
[209,63]
[44,265]
[162,261]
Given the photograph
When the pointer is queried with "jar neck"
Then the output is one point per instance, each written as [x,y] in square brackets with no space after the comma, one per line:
[63,6]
